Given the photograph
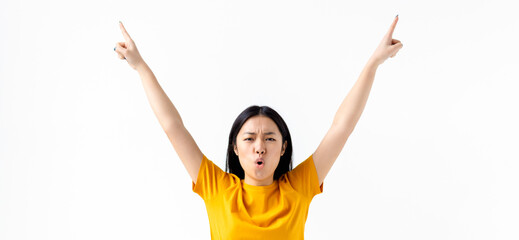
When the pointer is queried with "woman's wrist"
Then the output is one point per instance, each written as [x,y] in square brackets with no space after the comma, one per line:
[373,63]
[142,66]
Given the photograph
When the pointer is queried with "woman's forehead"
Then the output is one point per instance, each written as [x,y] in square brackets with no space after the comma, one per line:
[259,124]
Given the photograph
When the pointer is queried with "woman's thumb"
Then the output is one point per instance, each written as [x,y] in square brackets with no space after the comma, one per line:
[394,49]
[120,49]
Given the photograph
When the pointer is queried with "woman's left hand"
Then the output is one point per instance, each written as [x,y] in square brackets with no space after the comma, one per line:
[388,47]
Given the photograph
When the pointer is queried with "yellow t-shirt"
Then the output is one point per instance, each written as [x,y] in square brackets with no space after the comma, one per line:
[237,210]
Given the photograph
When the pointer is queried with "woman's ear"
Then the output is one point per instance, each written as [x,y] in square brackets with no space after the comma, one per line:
[235,150]
[284,148]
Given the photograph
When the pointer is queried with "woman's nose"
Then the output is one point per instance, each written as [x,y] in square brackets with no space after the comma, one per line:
[260,148]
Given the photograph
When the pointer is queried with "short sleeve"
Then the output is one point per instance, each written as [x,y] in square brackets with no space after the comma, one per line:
[304,178]
[211,179]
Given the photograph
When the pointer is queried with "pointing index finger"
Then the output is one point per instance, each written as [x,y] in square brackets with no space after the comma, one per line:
[392,28]
[125,34]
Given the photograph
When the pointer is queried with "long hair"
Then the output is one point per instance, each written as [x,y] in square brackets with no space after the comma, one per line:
[233,165]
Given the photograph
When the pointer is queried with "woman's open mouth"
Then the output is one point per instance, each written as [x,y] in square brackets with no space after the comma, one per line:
[260,163]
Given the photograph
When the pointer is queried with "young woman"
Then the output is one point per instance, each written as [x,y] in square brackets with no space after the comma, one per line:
[259,196]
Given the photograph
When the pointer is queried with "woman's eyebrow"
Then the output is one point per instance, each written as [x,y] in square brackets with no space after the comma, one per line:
[267,133]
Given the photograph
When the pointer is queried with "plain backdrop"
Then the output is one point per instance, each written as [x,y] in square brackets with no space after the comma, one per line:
[434,155]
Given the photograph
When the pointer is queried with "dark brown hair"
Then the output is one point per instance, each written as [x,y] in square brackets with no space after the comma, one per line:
[233,162]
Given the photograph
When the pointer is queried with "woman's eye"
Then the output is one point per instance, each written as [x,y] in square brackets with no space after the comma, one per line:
[272,139]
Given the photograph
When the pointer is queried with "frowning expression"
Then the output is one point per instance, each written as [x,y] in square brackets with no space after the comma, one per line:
[259,147]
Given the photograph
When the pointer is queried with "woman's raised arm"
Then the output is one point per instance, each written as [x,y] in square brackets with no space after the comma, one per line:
[164,110]
[352,106]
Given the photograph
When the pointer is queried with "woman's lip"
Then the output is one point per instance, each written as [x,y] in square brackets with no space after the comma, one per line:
[260,166]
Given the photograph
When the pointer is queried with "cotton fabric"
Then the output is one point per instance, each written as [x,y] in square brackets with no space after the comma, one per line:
[237,210]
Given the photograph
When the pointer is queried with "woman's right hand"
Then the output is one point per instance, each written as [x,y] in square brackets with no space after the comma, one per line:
[128,50]
[388,47]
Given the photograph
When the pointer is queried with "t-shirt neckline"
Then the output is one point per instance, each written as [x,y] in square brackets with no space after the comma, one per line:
[248,187]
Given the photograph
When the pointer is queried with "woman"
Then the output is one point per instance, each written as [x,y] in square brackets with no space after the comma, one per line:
[259,196]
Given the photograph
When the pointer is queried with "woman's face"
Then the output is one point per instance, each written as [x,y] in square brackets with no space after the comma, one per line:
[259,148]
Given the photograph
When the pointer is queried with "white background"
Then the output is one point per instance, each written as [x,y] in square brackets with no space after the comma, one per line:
[434,155]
